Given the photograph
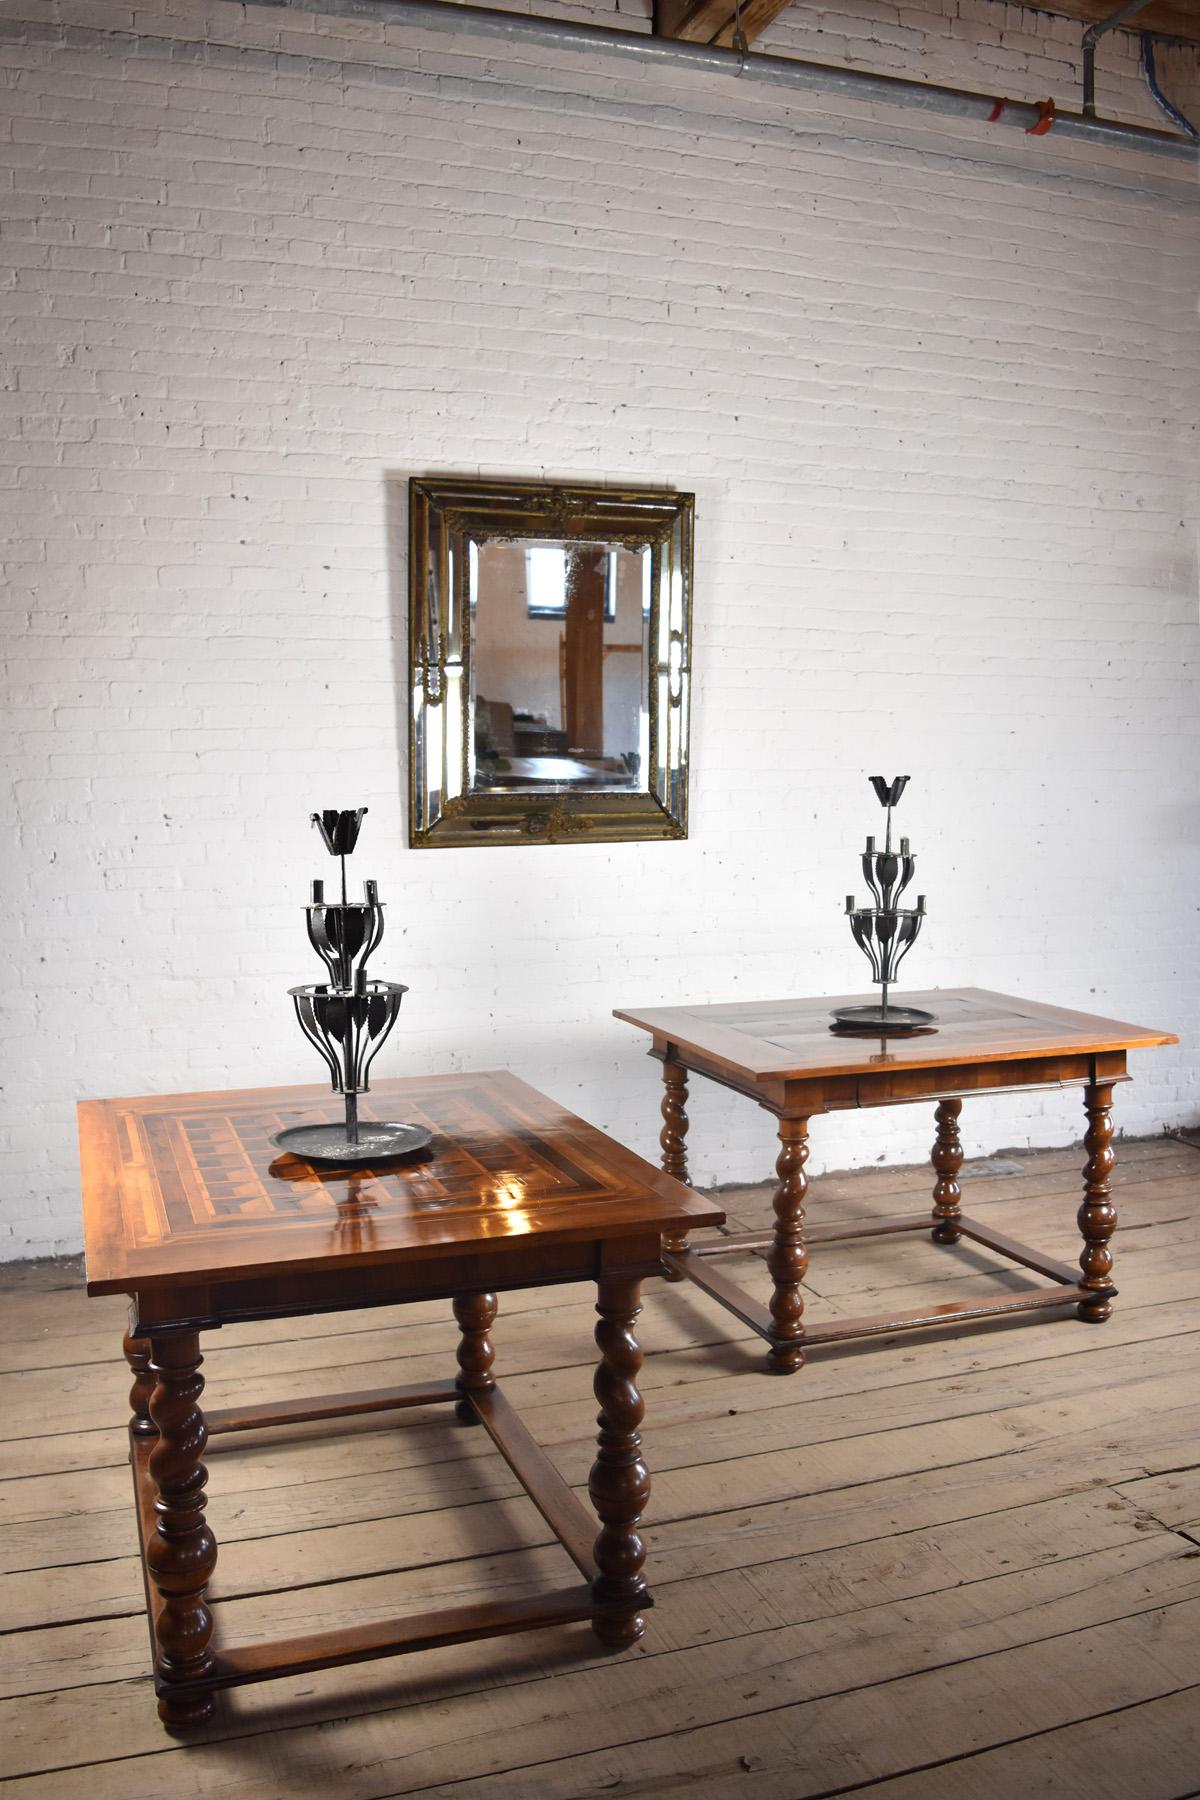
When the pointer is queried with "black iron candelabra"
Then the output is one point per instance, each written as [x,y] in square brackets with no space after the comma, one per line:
[347,1018]
[886,931]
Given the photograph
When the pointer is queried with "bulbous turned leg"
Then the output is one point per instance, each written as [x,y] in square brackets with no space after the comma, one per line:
[476,1314]
[181,1552]
[672,1139]
[137,1355]
[947,1159]
[788,1261]
[619,1483]
[1097,1215]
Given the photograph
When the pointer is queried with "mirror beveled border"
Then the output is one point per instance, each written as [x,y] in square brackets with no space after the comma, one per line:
[443,810]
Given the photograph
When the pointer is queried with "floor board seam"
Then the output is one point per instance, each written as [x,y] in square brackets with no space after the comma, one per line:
[950,1762]
[1160,1606]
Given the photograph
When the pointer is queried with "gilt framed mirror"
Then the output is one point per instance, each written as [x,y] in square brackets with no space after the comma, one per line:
[549,647]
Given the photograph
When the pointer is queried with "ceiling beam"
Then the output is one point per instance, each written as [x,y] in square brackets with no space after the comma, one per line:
[711,21]
[1166,18]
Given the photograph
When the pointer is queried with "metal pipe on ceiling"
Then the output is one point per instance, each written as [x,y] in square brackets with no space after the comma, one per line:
[1090,39]
[774,71]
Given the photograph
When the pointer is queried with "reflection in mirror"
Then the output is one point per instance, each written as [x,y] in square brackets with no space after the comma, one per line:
[560,678]
[549,638]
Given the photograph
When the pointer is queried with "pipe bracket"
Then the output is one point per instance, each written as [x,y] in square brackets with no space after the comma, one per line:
[1045,119]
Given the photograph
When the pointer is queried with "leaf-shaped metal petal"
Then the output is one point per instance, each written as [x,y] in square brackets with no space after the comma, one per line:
[862,925]
[339,829]
[390,994]
[888,792]
[911,923]
[302,998]
[318,937]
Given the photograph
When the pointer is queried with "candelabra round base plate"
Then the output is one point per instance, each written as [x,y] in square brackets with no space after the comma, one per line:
[377,1142]
[874,1019]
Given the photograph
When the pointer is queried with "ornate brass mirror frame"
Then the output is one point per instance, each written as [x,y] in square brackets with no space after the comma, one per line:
[450,520]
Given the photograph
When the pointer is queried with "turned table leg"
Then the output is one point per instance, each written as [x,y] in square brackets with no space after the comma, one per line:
[1097,1215]
[788,1260]
[619,1483]
[476,1314]
[181,1552]
[137,1355]
[947,1159]
[672,1139]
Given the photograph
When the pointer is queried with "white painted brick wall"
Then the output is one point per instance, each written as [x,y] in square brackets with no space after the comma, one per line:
[935,389]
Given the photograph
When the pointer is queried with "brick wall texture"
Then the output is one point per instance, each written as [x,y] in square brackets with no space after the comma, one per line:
[934,385]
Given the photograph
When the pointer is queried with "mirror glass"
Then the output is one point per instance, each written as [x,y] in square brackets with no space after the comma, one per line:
[549,649]
[560,681]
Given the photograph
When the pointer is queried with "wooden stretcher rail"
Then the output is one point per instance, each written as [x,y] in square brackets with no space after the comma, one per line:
[1021,1253]
[951,1313]
[694,1268]
[563,1511]
[334,1406]
[390,1637]
[739,1242]
[694,1265]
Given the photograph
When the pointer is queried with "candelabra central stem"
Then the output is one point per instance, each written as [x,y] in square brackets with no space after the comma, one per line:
[886,931]
[348,1017]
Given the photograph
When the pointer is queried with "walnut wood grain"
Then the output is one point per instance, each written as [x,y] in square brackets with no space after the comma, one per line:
[619,1483]
[950,1312]
[222,1420]
[788,1261]
[1017,1252]
[947,1159]
[137,1355]
[188,1187]
[1097,1214]
[672,1141]
[190,1211]
[697,1266]
[476,1314]
[736,1243]
[181,1553]
[566,1515]
[783,1054]
[768,1041]
[391,1637]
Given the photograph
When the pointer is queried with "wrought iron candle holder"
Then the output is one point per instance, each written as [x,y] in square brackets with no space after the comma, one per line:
[887,931]
[347,1019]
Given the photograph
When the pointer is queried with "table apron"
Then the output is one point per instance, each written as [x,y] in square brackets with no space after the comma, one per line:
[293,1293]
[806,1097]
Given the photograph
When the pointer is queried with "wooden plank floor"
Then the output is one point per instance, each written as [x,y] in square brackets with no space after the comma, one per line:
[934,1567]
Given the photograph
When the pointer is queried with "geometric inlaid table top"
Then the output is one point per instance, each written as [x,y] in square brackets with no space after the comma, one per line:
[771,1040]
[189,1185]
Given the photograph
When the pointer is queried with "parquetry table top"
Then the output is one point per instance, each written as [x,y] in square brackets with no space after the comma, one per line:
[181,1186]
[774,1039]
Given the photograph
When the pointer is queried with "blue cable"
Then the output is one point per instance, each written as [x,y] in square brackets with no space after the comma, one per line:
[1172,112]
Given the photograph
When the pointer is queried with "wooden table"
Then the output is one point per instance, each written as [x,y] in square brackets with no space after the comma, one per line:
[190,1211]
[783,1054]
